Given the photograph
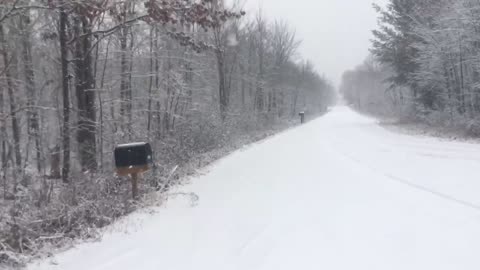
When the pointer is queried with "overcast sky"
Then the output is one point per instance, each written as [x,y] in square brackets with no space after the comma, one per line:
[335,34]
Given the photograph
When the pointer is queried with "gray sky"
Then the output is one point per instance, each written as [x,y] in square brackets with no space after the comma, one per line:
[335,34]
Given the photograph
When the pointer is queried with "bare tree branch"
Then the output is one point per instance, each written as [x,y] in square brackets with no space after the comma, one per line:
[15,10]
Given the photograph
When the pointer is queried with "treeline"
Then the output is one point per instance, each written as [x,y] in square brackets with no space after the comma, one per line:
[79,77]
[365,89]
[431,50]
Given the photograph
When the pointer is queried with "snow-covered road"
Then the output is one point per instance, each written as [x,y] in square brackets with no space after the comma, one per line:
[337,193]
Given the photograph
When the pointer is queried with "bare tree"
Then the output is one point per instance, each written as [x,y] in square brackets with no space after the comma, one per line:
[63,21]
[33,119]
[9,63]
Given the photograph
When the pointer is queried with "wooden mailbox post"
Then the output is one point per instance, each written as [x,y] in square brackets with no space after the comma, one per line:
[133,159]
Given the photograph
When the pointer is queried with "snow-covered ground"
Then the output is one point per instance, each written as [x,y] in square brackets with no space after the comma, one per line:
[337,193]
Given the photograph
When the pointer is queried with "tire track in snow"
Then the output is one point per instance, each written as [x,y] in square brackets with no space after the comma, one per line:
[411,184]
[433,192]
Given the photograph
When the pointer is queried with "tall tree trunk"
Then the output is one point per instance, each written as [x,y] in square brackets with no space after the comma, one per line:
[65,93]
[128,9]
[9,64]
[242,85]
[130,81]
[259,95]
[86,134]
[157,87]
[123,74]
[33,121]
[222,87]
[250,66]
[100,102]
[3,143]
[151,76]
[168,68]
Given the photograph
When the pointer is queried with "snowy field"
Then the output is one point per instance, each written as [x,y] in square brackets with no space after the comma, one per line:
[337,193]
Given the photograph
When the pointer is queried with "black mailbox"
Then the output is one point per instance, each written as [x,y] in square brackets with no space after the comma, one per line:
[302,117]
[133,155]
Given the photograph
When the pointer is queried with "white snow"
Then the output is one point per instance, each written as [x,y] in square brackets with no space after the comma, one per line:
[134,144]
[337,193]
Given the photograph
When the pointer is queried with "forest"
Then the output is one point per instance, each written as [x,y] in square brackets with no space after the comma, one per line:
[195,78]
[424,65]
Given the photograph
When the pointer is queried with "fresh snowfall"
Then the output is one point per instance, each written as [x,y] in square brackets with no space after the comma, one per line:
[340,192]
